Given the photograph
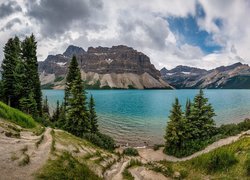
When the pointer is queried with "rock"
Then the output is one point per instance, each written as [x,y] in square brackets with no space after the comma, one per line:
[176,175]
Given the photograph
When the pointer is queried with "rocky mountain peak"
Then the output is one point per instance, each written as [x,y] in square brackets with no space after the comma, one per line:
[73,50]
[119,48]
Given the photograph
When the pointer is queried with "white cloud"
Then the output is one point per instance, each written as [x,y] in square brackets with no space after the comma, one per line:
[141,25]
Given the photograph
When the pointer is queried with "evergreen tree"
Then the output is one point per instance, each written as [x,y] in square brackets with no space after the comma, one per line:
[73,72]
[12,51]
[201,116]
[75,96]
[56,113]
[175,131]
[45,107]
[61,122]
[188,109]
[92,116]
[28,105]
[29,46]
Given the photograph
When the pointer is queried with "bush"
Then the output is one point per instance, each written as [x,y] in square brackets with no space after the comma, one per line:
[130,152]
[221,160]
[157,146]
[100,140]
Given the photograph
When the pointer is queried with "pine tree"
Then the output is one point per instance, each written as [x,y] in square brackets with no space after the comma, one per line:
[71,75]
[92,116]
[175,131]
[201,116]
[29,46]
[188,109]
[45,107]
[28,105]
[75,96]
[56,113]
[61,122]
[12,52]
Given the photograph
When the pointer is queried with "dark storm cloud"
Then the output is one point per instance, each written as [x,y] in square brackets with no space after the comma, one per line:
[11,23]
[8,8]
[56,17]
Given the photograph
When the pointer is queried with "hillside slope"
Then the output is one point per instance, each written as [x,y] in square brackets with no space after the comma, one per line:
[46,153]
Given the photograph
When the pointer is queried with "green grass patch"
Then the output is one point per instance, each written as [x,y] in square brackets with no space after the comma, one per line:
[66,167]
[127,175]
[16,116]
[230,161]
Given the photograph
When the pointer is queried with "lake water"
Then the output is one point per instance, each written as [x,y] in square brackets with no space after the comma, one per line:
[139,116]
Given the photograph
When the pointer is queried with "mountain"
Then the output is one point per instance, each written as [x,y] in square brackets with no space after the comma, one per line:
[103,67]
[235,76]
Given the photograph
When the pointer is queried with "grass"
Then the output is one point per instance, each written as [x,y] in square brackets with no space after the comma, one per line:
[132,163]
[16,116]
[53,148]
[39,141]
[66,167]
[25,159]
[127,175]
[227,162]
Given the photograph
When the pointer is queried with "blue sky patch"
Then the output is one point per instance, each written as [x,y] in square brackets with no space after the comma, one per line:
[187,31]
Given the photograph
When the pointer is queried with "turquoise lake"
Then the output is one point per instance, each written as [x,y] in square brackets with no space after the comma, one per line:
[140,116]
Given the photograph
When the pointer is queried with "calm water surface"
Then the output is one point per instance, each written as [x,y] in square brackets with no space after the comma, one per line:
[138,116]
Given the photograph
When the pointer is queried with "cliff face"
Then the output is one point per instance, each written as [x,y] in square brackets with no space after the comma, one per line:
[103,67]
[236,76]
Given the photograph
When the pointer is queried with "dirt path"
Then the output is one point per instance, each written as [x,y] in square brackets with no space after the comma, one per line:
[14,150]
[115,172]
[151,155]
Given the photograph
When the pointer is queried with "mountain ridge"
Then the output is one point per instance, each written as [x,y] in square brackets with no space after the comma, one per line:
[234,76]
[119,67]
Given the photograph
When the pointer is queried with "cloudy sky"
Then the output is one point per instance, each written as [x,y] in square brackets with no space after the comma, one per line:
[202,33]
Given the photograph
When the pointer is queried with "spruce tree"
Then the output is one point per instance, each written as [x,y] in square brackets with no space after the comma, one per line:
[71,75]
[56,113]
[75,96]
[201,116]
[12,52]
[188,109]
[92,116]
[175,131]
[45,107]
[29,47]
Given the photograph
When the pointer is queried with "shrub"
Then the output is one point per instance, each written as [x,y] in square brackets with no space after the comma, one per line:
[100,140]
[130,152]
[157,146]
[220,160]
